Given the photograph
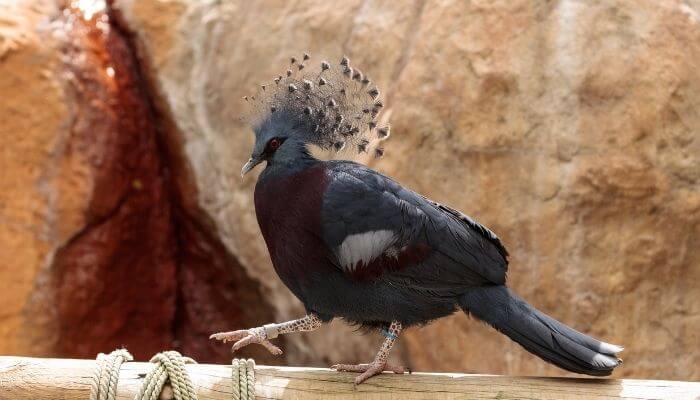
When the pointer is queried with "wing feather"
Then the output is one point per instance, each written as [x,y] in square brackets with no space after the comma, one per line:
[404,237]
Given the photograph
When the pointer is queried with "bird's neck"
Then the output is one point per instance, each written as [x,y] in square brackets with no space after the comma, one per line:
[290,160]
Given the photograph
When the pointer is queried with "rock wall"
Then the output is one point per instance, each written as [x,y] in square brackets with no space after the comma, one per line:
[101,248]
[103,276]
[29,163]
[570,128]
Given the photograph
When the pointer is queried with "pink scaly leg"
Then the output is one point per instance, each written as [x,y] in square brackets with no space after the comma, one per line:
[379,364]
[263,334]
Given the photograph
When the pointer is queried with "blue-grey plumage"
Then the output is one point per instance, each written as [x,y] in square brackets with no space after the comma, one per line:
[350,242]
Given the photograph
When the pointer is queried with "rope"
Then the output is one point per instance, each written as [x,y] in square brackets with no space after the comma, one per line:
[169,365]
[104,382]
[243,379]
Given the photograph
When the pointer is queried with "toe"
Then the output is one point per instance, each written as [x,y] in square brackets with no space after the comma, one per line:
[218,335]
[371,371]
[271,347]
[229,336]
[350,367]
[397,369]
[242,343]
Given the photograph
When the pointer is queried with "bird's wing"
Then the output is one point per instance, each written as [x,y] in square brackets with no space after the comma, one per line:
[374,227]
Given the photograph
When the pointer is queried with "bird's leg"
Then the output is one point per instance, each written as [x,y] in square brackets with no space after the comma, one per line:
[379,364]
[263,334]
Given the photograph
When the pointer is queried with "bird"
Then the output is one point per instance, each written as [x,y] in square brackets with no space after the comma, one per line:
[352,243]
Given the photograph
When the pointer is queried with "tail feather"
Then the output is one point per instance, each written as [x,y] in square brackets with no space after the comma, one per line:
[540,334]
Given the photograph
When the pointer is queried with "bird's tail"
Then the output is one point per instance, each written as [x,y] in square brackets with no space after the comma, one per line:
[540,334]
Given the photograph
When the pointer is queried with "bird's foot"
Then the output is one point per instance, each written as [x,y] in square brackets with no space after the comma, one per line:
[369,370]
[245,337]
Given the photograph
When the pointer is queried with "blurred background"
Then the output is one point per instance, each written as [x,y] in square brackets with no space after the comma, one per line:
[570,128]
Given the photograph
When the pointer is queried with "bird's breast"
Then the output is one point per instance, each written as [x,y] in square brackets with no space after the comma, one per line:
[288,210]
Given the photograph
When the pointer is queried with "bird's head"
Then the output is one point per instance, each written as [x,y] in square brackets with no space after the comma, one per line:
[272,141]
[333,107]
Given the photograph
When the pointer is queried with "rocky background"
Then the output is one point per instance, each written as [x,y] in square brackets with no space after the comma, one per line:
[571,128]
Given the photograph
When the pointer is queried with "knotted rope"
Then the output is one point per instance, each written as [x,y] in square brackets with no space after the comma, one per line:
[243,379]
[104,381]
[169,365]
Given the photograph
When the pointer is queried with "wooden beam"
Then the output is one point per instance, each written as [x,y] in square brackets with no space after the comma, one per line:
[45,378]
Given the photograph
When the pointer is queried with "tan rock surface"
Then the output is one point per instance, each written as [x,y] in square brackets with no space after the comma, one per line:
[35,216]
[570,128]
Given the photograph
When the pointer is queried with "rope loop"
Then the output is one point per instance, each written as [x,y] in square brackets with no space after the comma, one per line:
[243,379]
[104,381]
[170,365]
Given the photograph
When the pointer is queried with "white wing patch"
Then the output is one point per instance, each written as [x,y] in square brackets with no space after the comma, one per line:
[361,248]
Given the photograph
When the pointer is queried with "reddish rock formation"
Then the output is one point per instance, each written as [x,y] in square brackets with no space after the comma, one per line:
[215,295]
[115,280]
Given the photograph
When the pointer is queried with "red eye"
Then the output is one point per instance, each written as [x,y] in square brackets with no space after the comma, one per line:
[273,144]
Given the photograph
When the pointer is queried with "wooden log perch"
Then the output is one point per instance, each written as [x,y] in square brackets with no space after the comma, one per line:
[46,378]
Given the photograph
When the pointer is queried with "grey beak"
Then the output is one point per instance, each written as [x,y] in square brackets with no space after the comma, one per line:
[249,165]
